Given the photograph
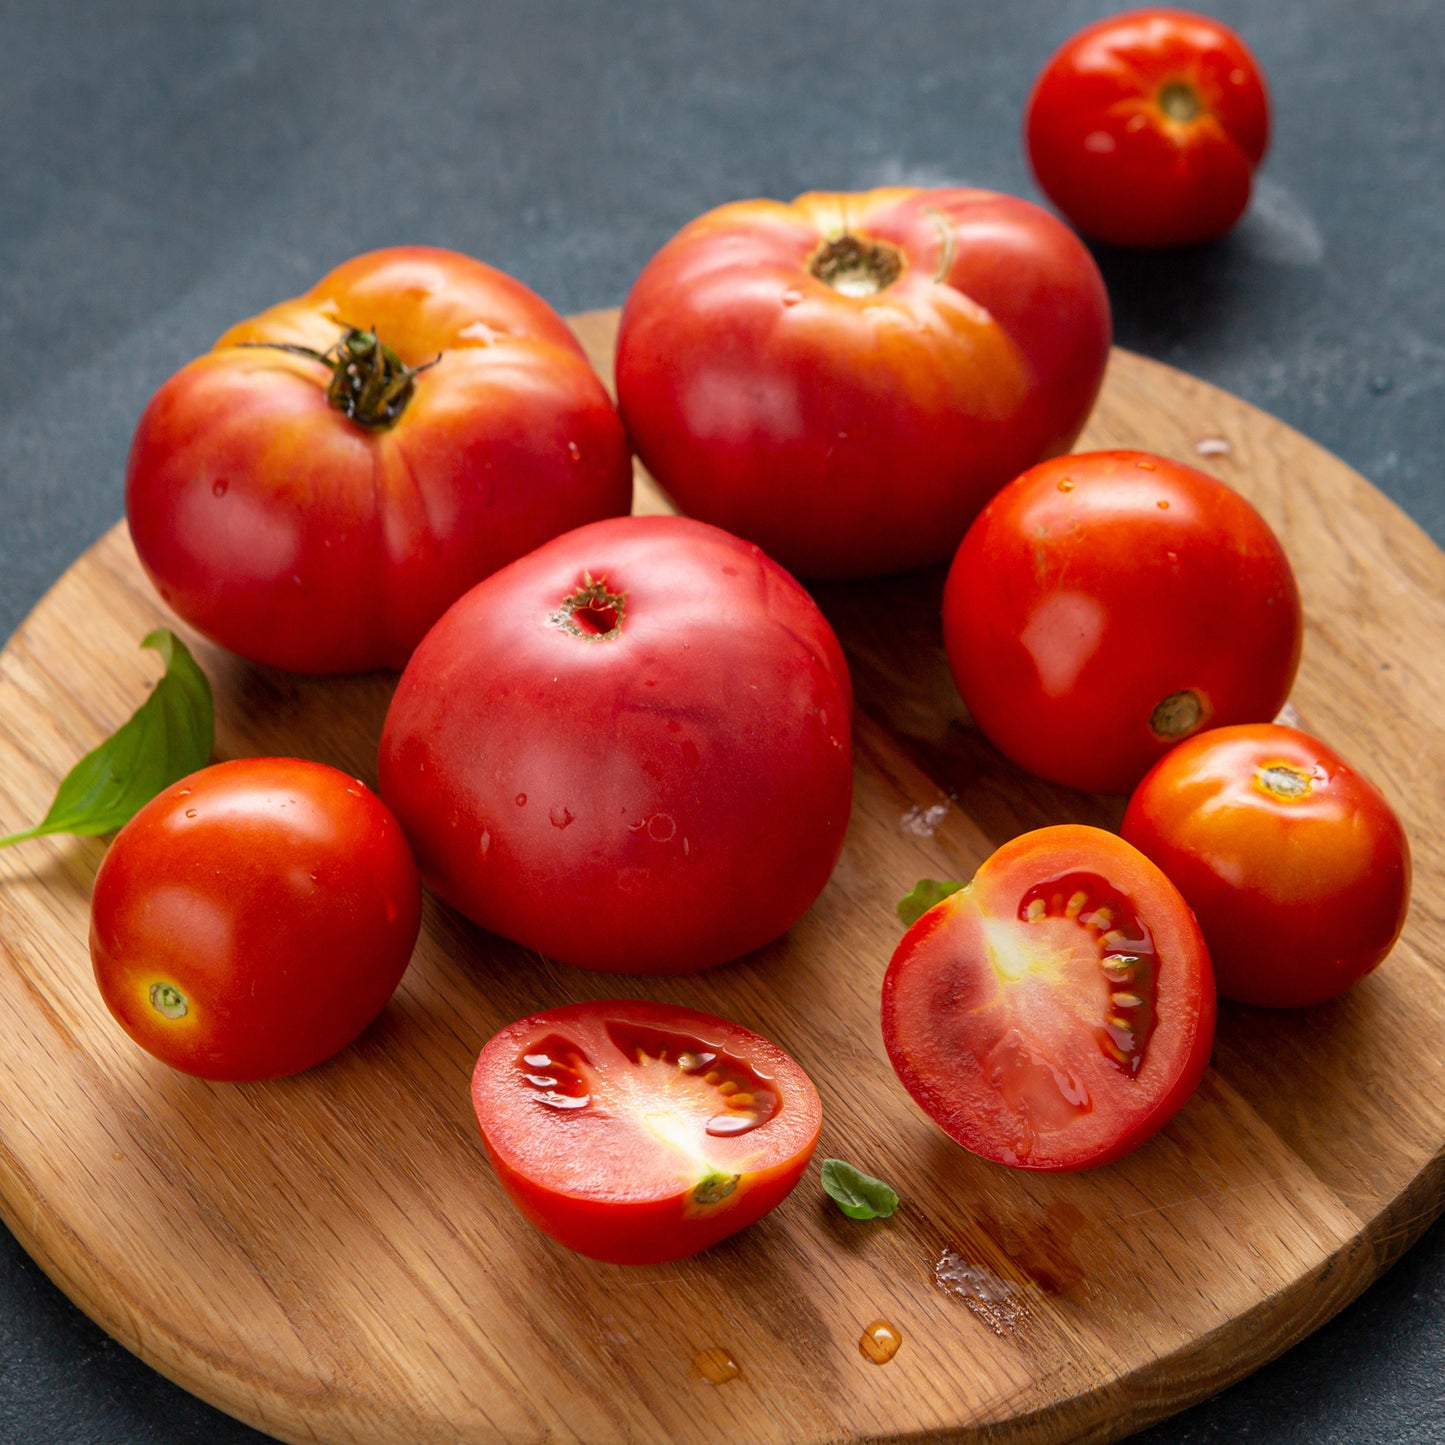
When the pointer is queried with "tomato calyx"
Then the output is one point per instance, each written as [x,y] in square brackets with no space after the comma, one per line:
[1179,101]
[370,384]
[168,1001]
[1177,715]
[853,266]
[593,612]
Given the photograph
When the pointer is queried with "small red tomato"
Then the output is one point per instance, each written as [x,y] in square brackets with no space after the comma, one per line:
[1145,128]
[1295,865]
[641,1132]
[846,379]
[1106,605]
[1057,1010]
[318,488]
[253,918]
[630,750]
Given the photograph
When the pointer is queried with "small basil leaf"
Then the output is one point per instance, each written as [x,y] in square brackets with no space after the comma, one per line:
[926,892]
[858,1195]
[169,736]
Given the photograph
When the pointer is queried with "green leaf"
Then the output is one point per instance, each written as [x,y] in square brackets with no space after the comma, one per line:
[858,1195]
[169,736]
[926,892]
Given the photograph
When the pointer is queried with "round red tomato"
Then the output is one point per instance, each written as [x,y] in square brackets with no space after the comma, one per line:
[1057,1010]
[641,1132]
[1295,865]
[251,919]
[313,495]
[846,379]
[1145,129]
[630,750]
[1106,605]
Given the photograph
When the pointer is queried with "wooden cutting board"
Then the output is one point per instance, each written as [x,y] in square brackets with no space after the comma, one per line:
[329,1257]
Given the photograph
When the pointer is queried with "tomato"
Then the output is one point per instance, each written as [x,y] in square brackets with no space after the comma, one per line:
[313,496]
[251,919]
[1056,1011]
[1145,129]
[845,380]
[1294,863]
[1106,605]
[640,1132]
[630,750]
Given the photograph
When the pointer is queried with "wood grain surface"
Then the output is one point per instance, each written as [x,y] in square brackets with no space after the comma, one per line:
[329,1257]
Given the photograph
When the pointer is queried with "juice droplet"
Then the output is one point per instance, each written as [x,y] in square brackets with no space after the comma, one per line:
[521,800]
[715,1366]
[792,296]
[879,1342]
[220,487]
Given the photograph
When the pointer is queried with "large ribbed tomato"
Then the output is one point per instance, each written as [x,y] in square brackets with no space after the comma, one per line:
[845,380]
[317,489]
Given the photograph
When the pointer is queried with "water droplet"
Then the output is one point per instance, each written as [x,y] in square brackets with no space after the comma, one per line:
[792,296]
[999,1304]
[924,822]
[1162,504]
[879,1342]
[485,842]
[1146,466]
[521,800]
[1066,484]
[220,487]
[560,815]
[661,828]
[574,451]
[190,812]
[1213,447]
[715,1366]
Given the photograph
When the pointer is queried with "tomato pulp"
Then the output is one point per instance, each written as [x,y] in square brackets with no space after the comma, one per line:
[630,750]
[1296,866]
[846,379]
[312,494]
[1058,1009]
[1145,129]
[639,1132]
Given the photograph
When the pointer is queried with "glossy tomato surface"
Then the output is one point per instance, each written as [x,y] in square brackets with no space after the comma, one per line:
[1056,1011]
[251,919]
[640,1132]
[1106,605]
[845,380]
[1296,866]
[1145,129]
[630,750]
[276,519]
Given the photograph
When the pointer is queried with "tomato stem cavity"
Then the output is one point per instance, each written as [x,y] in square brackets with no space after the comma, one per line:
[855,267]
[168,1000]
[592,612]
[1179,101]
[1283,781]
[1176,716]
[370,383]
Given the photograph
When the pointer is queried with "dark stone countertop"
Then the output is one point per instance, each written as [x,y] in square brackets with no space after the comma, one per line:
[167,168]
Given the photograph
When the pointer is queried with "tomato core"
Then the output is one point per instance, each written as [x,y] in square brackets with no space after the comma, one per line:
[591,612]
[1179,101]
[1177,715]
[855,267]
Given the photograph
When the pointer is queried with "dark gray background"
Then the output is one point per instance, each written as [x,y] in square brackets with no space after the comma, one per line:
[170,166]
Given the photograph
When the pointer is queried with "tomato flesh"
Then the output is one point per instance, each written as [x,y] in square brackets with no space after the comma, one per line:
[636,1132]
[1057,1010]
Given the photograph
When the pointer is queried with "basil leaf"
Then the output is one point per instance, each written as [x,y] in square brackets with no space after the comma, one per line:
[926,892]
[858,1195]
[169,736]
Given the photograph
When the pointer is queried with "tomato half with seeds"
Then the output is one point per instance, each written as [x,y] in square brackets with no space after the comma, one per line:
[252,919]
[1295,864]
[639,1132]
[1059,1009]
[1106,605]
[1145,129]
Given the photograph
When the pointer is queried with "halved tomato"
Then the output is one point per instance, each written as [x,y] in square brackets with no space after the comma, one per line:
[640,1132]
[1057,1010]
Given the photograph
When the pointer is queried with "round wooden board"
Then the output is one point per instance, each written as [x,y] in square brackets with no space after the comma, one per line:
[329,1257]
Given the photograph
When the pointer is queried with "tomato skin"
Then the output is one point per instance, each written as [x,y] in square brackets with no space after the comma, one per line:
[664,798]
[997,1036]
[1145,129]
[299,538]
[602,1178]
[277,895]
[855,435]
[1095,587]
[1302,885]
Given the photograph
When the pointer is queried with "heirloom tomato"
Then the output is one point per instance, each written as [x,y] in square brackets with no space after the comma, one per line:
[317,489]
[1145,129]
[1057,1010]
[845,380]
[641,1132]
[629,750]
[1106,605]
[1295,865]
[251,919]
